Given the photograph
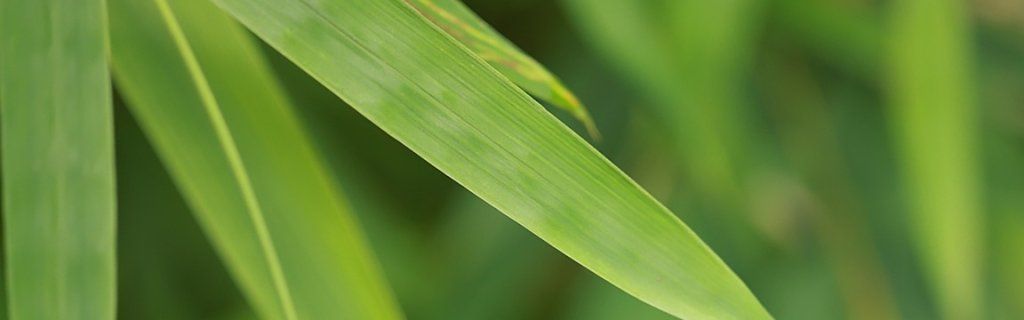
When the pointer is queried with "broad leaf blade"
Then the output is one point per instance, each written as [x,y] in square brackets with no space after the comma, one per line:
[58,159]
[456,112]
[172,79]
[465,26]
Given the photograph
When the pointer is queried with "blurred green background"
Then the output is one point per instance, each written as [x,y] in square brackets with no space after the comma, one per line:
[854,159]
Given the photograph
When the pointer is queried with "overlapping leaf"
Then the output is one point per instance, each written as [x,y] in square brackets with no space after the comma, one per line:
[199,89]
[465,26]
[456,112]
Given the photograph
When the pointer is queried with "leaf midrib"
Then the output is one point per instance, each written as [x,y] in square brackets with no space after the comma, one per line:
[235,161]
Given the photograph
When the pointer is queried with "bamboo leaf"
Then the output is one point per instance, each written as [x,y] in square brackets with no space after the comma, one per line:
[58,159]
[469,29]
[230,149]
[933,116]
[204,96]
[456,112]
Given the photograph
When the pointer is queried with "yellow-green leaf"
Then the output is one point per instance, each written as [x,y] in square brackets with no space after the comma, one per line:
[466,119]
[204,96]
[934,119]
[461,23]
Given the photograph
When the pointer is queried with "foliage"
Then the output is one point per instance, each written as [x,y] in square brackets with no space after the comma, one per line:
[381,159]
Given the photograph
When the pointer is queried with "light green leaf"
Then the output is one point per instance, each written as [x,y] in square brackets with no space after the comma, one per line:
[461,23]
[204,96]
[455,111]
[58,160]
[933,116]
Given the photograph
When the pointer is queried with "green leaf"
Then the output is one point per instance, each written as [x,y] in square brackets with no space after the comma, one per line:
[455,111]
[934,120]
[461,23]
[58,159]
[203,95]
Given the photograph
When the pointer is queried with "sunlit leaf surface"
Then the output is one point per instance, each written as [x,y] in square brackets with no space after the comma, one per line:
[453,110]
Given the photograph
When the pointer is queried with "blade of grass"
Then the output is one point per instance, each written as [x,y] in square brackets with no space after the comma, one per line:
[465,26]
[933,116]
[459,114]
[238,171]
[221,125]
[59,201]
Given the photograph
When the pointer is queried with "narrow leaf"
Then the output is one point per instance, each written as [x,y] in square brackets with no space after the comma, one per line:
[204,96]
[933,116]
[238,171]
[58,159]
[469,29]
[449,107]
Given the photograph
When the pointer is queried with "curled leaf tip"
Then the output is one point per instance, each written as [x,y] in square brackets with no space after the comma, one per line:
[459,22]
[566,100]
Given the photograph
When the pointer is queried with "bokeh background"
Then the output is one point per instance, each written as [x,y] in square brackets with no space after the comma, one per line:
[789,134]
